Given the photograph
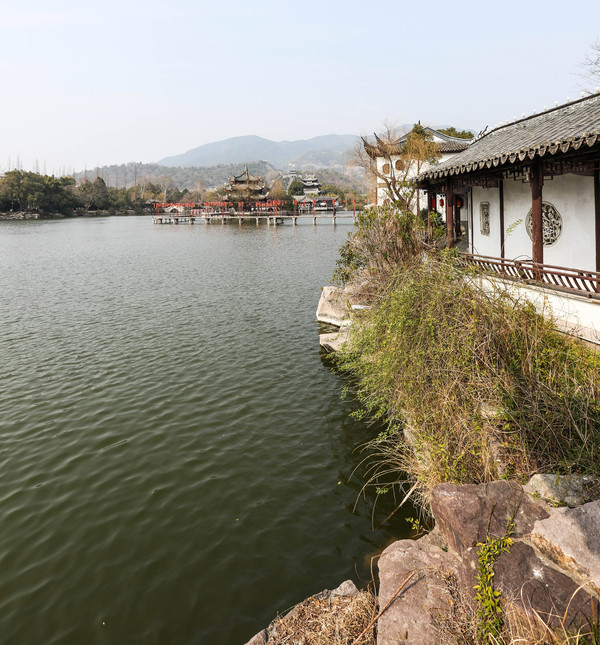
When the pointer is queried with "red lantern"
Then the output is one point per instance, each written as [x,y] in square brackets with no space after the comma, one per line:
[441,202]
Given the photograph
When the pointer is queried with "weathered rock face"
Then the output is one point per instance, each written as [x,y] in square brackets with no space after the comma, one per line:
[523,577]
[571,490]
[333,342]
[333,306]
[571,539]
[410,617]
[467,514]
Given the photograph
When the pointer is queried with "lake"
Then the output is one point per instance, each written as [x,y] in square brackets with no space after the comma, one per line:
[176,460]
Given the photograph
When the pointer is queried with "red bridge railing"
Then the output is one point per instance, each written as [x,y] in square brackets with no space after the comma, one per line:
[572,280]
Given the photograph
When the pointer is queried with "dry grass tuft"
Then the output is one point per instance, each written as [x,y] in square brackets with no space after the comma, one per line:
[329,621]
[457,624]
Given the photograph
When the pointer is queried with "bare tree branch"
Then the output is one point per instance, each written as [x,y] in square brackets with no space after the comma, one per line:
[591,63]
[393,161]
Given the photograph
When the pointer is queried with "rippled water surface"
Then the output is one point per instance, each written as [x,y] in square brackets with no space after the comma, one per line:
[175,457]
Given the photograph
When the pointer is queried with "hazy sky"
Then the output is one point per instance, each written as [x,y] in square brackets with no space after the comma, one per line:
[94,83]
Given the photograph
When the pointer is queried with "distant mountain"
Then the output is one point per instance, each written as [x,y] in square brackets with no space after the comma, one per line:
[325,151]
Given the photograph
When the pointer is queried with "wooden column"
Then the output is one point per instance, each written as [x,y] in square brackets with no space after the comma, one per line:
[428,200]
[536,180]
[450,215]
[501,206]
[597,211]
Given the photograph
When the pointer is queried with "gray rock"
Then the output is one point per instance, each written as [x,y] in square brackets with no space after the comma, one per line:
[534,585]
[411,616]
[571,539]
[434,538]
[571,490]
[333,306]
[467,514]
[347,588]
[333,342]
[260,639]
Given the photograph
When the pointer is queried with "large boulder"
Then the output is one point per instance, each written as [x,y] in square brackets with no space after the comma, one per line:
[467,514]
[571,538]
[410,618]
[571,490]
[334,306]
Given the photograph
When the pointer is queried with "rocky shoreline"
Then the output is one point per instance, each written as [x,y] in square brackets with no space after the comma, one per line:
[544,537]
[551,572]
[24,215]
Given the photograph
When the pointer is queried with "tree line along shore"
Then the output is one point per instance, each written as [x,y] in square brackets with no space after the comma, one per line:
[48,196]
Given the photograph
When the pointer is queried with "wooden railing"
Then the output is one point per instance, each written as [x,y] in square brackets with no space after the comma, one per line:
[572,280]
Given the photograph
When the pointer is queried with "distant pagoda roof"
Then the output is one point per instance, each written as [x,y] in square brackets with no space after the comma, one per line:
[310,180]
[247,186]
[246,177]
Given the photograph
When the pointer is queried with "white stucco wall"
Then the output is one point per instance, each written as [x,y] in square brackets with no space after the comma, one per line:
[573,314]
[486,244]
[571,195]
[382,193]
[573,198]
[517,202]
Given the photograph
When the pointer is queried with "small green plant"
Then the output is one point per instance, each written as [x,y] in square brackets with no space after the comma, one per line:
[510,229]
[489,613]
[415,524]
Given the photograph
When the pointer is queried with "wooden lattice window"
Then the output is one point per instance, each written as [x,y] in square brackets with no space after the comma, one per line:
[552,224]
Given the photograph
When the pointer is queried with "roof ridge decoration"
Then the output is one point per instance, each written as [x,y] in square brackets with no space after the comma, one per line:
[562,128]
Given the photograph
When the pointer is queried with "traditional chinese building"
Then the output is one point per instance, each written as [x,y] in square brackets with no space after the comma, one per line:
[311,185]
[309,203]
[246,187]
[387,157]
[524,200]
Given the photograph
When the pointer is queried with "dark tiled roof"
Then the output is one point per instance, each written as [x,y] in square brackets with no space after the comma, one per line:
[453,145]
[565,128]
[449,144]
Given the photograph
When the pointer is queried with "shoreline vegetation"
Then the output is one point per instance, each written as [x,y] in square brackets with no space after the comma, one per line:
[474,386]
[29,195]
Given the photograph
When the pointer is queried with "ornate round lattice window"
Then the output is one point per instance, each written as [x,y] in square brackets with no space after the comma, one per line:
[386,169]
[552,224]
[398,165]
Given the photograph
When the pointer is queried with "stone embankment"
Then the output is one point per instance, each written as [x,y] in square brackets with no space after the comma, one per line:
[335,308]
[21,215]
[550,571]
